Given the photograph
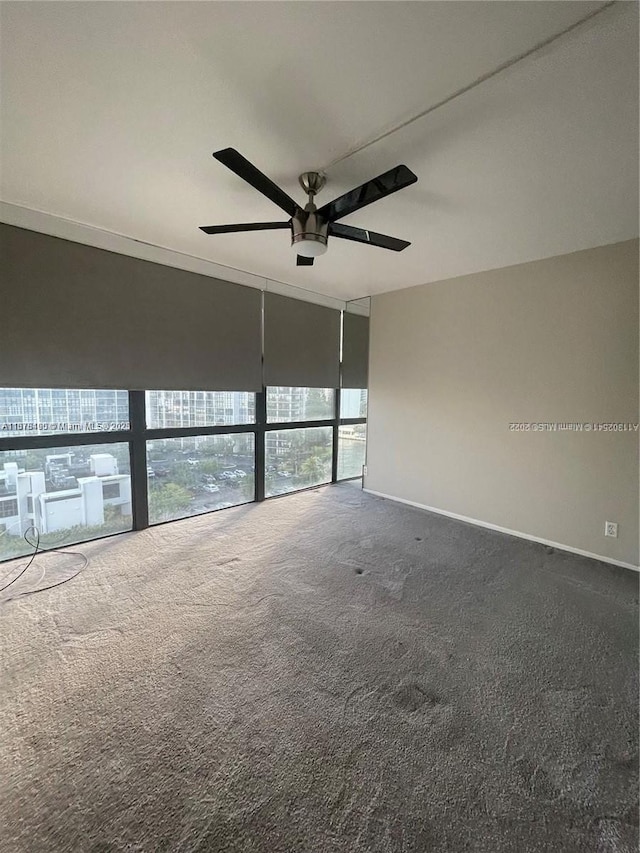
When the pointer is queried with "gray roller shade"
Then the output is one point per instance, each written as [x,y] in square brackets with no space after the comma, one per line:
[80,317]
[355,351]
[301,343]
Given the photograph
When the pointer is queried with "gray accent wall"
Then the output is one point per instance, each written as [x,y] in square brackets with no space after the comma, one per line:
[454,363]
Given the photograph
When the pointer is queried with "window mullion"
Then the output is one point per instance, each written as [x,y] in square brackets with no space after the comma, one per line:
[261,420]
[336,435]
[138,451]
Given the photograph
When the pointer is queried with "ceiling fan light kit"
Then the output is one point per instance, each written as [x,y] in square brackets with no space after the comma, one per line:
[311,227]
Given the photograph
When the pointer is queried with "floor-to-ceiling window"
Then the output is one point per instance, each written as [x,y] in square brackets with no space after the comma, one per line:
[78,464]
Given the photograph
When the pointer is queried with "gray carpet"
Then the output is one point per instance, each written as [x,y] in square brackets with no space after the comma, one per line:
[323,672]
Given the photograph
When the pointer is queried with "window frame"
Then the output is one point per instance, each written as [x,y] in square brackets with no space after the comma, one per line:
[138,434]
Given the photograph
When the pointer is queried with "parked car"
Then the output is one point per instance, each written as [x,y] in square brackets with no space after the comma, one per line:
[193,461]
[211,487]
[239,473]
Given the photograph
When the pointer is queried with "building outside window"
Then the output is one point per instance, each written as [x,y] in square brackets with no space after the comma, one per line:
[69,494]
[46,411]
[175,409]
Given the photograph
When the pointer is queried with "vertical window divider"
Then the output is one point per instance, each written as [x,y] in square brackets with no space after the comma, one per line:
[336,436]
[260,430]
[138,454]
[336,413]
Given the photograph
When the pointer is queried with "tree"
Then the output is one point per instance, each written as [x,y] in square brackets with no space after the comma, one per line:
[112,514]
[294,451]
[312,469]
[316,404]
[185,475]
[34,460]
[227,445]
[209,466]
[247,490]
[169,500]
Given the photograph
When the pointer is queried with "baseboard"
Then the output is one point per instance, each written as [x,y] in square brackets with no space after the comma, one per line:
[506,530]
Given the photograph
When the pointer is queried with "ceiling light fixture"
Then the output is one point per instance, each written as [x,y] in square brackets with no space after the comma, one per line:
[309,245]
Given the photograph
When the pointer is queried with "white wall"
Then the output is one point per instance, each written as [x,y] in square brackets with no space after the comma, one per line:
[62,514]
[453,363]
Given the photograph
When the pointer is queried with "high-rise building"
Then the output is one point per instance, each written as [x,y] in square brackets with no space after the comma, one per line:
[38,411]
[198,408]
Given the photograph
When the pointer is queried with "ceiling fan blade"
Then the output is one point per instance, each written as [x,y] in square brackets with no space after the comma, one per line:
[360,235]
[246,226]
[373,190]
[302,261]
[230,158]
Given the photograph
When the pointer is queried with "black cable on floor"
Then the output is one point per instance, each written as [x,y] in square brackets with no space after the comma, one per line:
[33,556]
[38,550]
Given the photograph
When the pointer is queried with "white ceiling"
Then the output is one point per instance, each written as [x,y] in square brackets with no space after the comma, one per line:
[110,113]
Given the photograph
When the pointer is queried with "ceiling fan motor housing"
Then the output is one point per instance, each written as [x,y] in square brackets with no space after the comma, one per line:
[307,226]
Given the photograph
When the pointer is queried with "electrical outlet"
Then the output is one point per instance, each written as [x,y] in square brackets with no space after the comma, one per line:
[611,529]
[364,470]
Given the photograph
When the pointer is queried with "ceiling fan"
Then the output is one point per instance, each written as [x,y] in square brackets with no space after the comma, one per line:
[310,226]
